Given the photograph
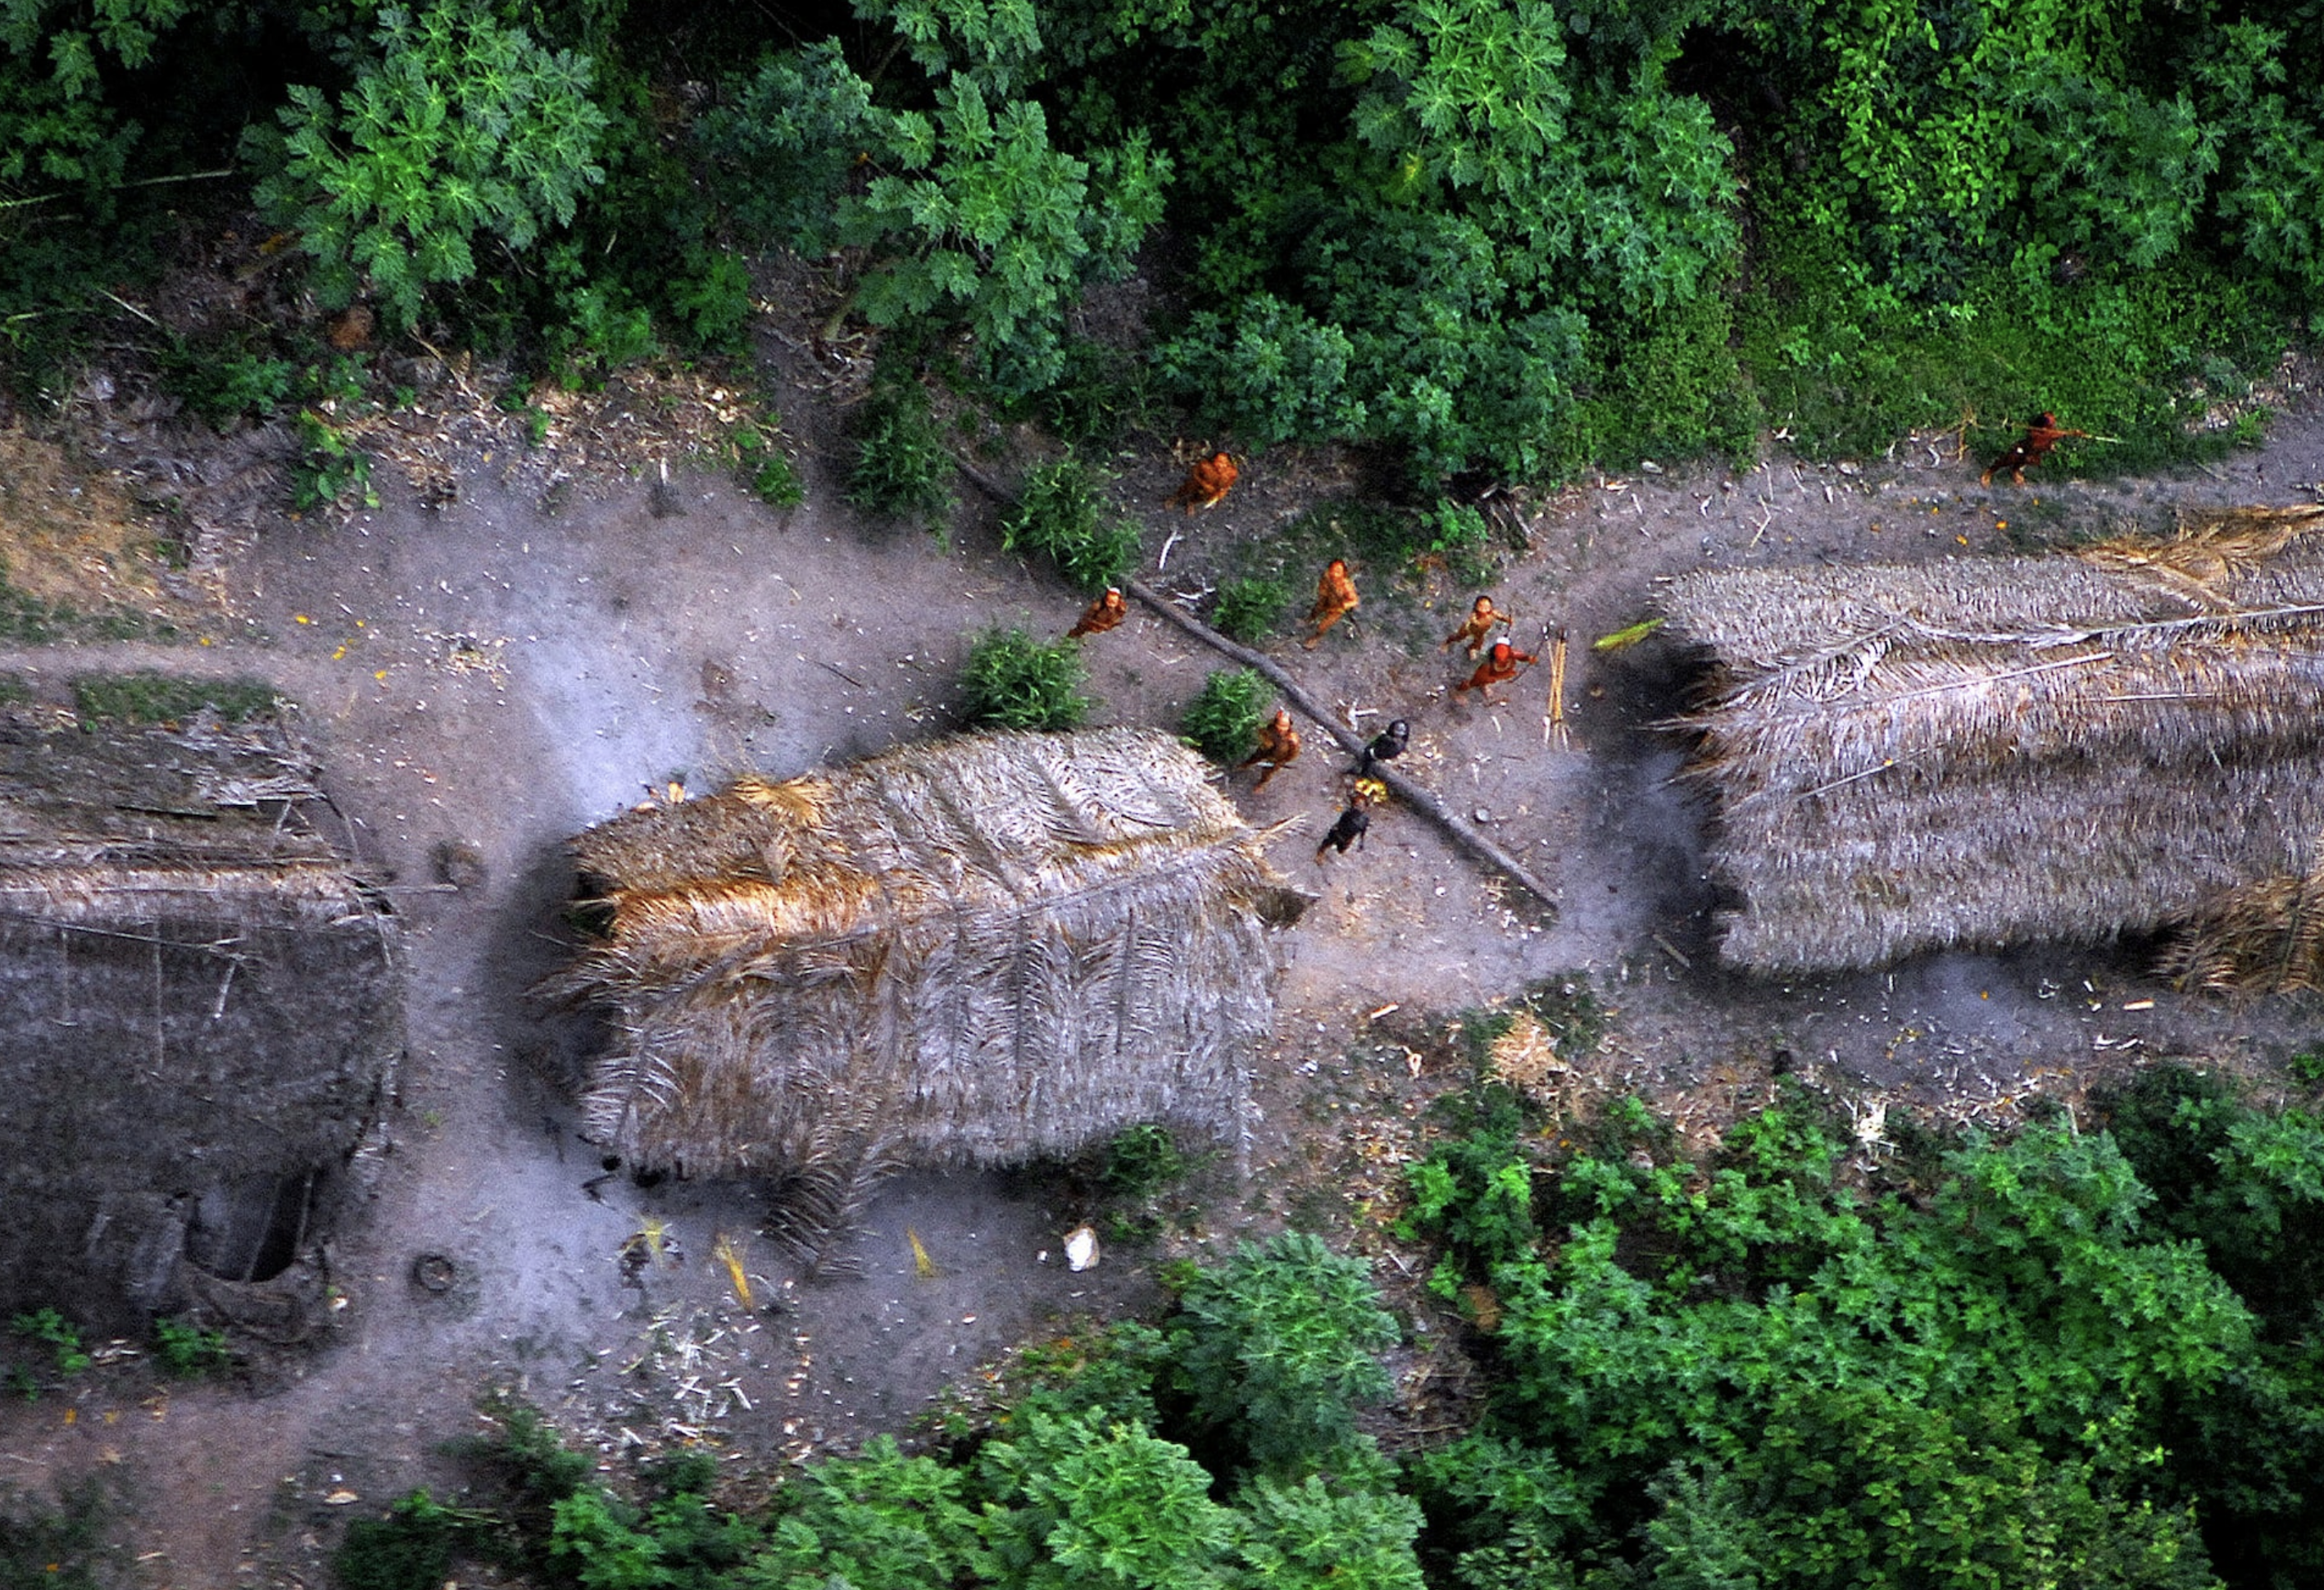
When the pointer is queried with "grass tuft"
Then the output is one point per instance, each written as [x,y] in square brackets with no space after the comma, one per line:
[1013,681]
[902,470]
[1222,720]
[148,697]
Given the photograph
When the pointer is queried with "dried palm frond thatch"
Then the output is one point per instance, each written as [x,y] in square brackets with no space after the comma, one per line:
[975,951]
[1987,750]
[2263,938]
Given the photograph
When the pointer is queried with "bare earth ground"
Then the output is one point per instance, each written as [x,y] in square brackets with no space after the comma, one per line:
[503,669]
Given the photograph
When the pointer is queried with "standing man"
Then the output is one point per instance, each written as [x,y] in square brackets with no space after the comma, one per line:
[1480,622]
[1503,663]
[1335,598]
[1278,747]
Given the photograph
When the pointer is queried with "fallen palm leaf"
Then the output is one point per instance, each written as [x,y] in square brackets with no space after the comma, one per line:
[725,1252]
[1629,636]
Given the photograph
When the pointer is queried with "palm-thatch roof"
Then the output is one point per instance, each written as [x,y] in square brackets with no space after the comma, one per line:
[975,951]
[1987,750]
[200,1012]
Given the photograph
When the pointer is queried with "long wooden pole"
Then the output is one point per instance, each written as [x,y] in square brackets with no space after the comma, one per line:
[1462,833]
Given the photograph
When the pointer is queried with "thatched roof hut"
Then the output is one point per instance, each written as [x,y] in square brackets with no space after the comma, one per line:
[975,951]
[200,1010]
[1987,750]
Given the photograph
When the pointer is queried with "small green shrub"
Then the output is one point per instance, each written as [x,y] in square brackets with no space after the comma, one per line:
[411,1549]
[2307,1068]
[1090,1502]
[902,470]
[55,1547]
[1454,527]
[222,384]
[1141,1161]
[597,326]
[528,1447]
[1222,720]
[53,1331]
[766,468]
[148,697]
[1311,1536]
[188,1351]
[970,215]
[1460,537]
[1475,1189]
[1250,607]
[331,472]
[1013,681]
[1058,519]
[777,483]
[1103,394]
[1280,1342]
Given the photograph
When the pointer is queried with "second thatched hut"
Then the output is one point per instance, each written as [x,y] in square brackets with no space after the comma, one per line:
[201,1016]
[975,951]
[1983,750]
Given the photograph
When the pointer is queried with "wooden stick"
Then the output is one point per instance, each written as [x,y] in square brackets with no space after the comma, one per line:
[1553,726]
[1462,836]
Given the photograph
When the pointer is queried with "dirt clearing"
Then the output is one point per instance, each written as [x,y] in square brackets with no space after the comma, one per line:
[484,676]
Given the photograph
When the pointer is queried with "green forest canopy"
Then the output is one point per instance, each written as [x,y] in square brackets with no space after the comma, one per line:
[1497,235]
[2080,1360]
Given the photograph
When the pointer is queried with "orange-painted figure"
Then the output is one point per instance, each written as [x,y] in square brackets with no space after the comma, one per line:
[1503,663]
[1479,624]
[2028,450]
[1278,747]
[1335,598]
[1100,615]
[1206,484]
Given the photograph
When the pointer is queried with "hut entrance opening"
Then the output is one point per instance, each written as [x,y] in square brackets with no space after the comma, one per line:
[251,1229]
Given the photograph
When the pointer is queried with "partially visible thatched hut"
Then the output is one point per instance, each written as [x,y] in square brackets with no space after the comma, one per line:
[975,951]
[200,1011]
[1987,750]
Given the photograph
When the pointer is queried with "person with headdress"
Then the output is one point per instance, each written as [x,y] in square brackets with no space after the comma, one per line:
[1503,663]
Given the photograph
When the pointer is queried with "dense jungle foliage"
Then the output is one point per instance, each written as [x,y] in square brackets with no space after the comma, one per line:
[2089,1359]
[1500,237]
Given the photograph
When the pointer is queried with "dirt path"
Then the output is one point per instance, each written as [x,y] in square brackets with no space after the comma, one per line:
[498,675]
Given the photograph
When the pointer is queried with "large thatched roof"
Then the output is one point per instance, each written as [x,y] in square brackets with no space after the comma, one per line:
[977,950]
[1985,750]
[199,1008]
